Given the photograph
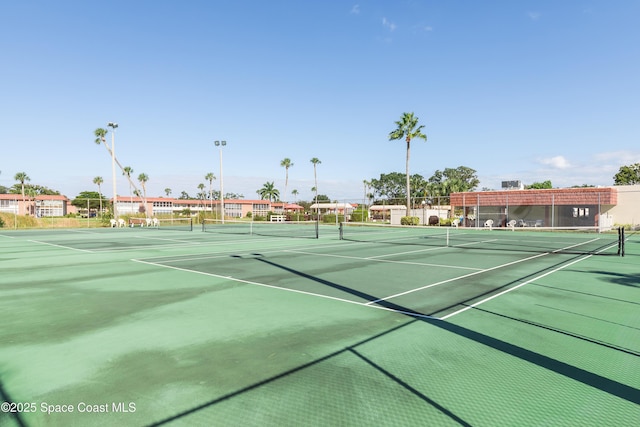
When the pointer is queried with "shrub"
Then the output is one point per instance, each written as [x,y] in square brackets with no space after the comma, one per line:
[445,221]
[359,216]
[331,218]
[409,220]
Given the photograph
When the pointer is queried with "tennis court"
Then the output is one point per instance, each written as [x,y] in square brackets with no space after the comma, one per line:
[360,326]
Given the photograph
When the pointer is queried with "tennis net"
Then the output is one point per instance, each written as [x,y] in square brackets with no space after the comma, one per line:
[582,240]
[179,224]
[303,229]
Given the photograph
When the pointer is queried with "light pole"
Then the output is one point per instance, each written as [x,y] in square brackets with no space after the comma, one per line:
[221,144]
[113,126]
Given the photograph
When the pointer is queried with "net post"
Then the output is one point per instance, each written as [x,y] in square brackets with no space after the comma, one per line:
[341,231]
[619,241]
[448,229]
[317,230]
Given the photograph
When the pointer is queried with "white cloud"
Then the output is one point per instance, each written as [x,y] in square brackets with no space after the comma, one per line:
[598,170]
[623,158]
[355,9]
[534,16]
[388,24]
[557,162]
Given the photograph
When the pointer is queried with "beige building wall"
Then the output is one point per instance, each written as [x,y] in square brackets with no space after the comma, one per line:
[627,211]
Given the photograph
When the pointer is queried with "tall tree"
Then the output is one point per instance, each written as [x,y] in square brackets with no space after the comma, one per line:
[269,192]
[294,193]
[167,191]
[628,175]
[87,199]
[143,178]
[32,193]
[315,162]
[201,195]
[21,177]
[457,180]
[128,171]
[392,186]
[286,164]
[100,134]
[367,185]
[408,129]
[539,185]
[210,177]
[98,181]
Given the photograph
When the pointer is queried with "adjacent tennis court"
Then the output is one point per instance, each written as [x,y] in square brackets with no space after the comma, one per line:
[300,324]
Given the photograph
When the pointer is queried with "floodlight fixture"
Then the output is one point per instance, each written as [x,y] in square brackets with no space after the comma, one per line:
[114,125]
[221,144]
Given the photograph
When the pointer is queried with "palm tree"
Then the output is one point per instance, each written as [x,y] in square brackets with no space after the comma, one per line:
[315,162]
[128,171]
[210,177]
[167,191]
[286,164]
[269,192]
[100,134]
[367,186]
[32,193]
[98,181]
[294,192]
[21,177]
[407,129]
[100,138]
[143,178]
[201,194]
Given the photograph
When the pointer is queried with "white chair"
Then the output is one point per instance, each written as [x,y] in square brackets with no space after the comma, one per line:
[488,224]
[512,223]
[156,223]
[455,222]
[149,222]
[121,223]
[113,223]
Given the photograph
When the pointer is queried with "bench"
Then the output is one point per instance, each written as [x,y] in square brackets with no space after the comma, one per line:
[137,221]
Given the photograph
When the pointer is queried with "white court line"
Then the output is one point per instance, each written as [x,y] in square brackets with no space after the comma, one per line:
[208,255]
[248,282]
[129,248]
[432,249]
[83,232]
[382,260]
[525,283]
[167,240]
[457,278]
[61,246]
[481,271]
[513,288]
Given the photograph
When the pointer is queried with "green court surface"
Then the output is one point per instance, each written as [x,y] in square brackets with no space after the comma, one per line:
[140,327]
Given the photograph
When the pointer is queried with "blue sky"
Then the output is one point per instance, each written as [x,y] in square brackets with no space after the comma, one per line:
[517,90]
